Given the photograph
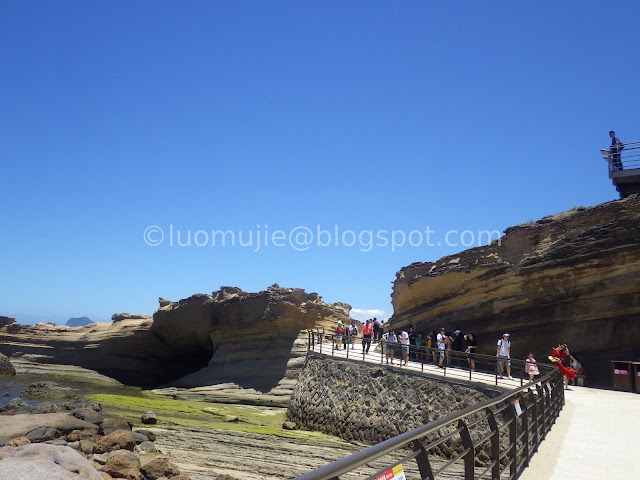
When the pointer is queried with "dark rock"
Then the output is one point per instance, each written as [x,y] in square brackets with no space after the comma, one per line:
[78,322]
[112,424]
[42,434]
[15,406]
[151,436]
[139,437]
[6,367]
[88,415]
[149,417]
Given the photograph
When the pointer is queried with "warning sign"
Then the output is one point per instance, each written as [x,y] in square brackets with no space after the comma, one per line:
[396,473]
[516,403]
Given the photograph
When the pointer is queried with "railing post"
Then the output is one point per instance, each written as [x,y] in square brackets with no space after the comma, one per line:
[525,428]
[426,473]
[495,444]
[513,442]
[469,457]
[534,419]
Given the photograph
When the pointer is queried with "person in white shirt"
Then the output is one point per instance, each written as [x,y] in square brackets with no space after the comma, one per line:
[404,341]
[441,342]
[503,352]
[389,340]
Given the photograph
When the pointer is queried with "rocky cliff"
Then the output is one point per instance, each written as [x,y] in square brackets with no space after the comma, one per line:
[573,277]
[254,341]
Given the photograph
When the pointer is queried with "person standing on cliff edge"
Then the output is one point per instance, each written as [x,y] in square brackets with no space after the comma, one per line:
[615,150]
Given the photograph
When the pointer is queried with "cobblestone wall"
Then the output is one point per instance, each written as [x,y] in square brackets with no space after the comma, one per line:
[368,403]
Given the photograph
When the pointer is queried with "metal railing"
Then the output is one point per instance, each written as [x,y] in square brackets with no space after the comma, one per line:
[626,159]
[454,362]
[506,430]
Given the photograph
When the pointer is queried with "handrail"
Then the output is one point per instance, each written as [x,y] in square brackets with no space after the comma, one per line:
[539,409]
[625,159]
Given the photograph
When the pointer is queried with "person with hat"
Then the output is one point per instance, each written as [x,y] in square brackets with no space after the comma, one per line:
[503,353]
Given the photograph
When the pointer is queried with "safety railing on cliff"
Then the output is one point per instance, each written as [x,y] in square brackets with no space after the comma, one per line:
[511,427]
[462,365]
[626,159]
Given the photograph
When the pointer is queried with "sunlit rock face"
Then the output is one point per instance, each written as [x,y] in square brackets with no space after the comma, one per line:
[573,277]
[256,341]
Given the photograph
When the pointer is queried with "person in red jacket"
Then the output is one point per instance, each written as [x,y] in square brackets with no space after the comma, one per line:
[367,333]
[557,354]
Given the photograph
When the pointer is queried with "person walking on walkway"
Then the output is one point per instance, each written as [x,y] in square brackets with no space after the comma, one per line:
[471,349]
[503,353]
[367,333]
[557,354]
[390,340]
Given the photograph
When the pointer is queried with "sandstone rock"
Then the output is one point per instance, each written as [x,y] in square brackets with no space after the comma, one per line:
[120,465]
[555,280]
[112,424]
[6,368]
[46,389]
[118,440]
[86,446]
[160,467]
[19,425]
[19,442]
[41,461]
[45,407]
[149,417]
[118,317]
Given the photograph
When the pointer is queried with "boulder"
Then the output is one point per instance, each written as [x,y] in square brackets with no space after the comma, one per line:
[15,406]
[112,424]
[123,464]
[42,434]
[42,461]
[45,407]
[118,440]
[19,425]
[85,434]
[19,442]
[147,447]
[151,436]
[149,417]
[6,367]
[88,414]
[159,467]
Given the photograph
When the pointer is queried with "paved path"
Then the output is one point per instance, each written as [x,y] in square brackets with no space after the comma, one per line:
[596,437]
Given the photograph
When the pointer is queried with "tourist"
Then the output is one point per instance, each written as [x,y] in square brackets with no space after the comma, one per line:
[615,151]
[531,367]
[442,345]
[404,342]
[390,340]
[503,353]
[471,350]
[448,341]
[420,348]
[339,333]
[557,354]
[367,333]
[412,342]
[575,364]
[376,330]
[457,345]
[433,343]
[381,330]
[352,332]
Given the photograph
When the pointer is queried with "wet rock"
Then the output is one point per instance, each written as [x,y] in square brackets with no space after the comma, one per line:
[46,389]
[14,407]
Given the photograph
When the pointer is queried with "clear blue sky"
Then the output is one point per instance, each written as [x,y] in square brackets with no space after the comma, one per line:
[253,115]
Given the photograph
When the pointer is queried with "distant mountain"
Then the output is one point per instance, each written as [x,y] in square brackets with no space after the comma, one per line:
[78,322]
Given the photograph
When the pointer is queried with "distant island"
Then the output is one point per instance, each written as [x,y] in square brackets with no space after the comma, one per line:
[78,322]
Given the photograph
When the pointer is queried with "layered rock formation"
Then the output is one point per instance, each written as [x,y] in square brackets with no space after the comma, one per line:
[571,277]
[254,340]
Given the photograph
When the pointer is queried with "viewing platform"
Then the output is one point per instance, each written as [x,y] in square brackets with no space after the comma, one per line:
[624,169]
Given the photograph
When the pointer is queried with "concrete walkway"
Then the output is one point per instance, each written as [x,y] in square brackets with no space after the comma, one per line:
[596,437]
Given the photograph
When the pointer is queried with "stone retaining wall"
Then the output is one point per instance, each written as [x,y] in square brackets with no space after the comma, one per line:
[372,403]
